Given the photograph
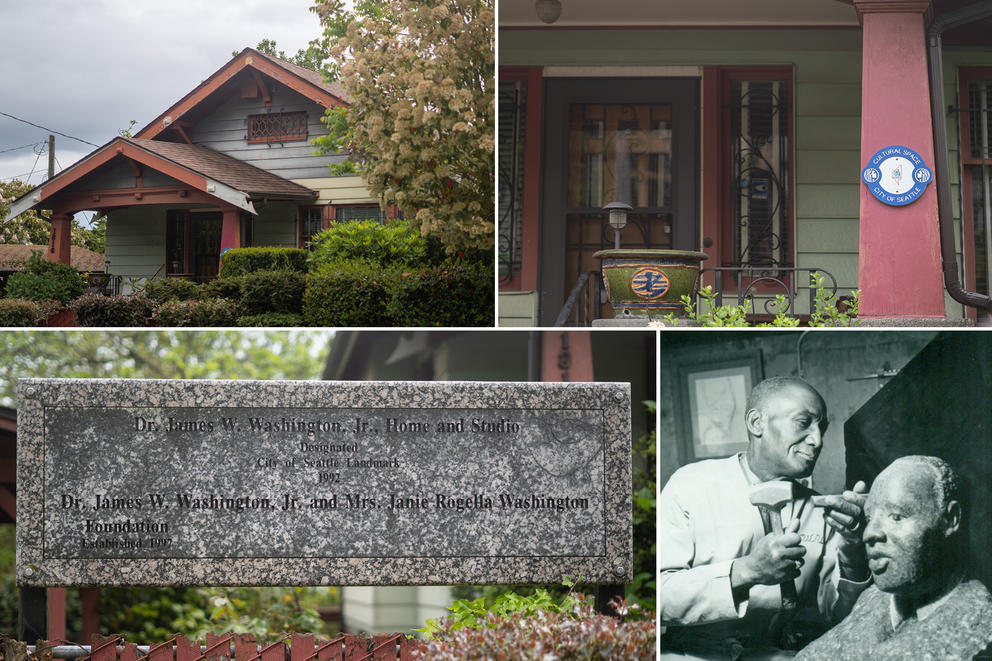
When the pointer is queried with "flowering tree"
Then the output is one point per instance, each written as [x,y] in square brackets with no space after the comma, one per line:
[34,228]
[421,117]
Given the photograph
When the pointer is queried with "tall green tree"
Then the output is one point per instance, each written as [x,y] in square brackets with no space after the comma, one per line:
[33,227]
[159,355]
[420,123]
[147,614]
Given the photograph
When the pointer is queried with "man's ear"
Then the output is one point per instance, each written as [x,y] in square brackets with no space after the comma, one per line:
[952,517]
[754,422]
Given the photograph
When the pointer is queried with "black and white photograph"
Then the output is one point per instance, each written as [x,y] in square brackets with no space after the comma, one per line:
[851,520]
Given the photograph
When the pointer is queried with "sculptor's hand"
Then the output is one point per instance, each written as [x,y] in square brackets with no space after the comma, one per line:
[845,512]
[774,559]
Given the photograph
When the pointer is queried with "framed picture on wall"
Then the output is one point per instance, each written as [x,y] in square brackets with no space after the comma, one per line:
[713,399]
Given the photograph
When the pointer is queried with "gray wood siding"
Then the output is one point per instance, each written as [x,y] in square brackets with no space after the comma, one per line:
[120,175]
[276,225]
[136,242]
[226,130]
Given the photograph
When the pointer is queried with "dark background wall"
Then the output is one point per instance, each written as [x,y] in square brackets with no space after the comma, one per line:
[847,367]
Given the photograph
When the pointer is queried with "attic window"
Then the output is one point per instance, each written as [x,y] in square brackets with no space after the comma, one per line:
[277,127]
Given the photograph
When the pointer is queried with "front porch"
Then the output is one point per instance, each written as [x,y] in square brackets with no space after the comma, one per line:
[172,208]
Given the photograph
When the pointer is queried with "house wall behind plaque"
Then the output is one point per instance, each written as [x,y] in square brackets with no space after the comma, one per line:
[833,362]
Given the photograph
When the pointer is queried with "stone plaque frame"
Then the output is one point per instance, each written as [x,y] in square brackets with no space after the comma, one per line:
[608,402]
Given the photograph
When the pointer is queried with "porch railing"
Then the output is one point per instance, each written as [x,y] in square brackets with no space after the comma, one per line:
[584,302]
[760,286]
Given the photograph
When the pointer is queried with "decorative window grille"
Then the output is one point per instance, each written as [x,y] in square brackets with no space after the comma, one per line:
[359,212]
[512,111]
[759,174]
[277,127]
[977,159]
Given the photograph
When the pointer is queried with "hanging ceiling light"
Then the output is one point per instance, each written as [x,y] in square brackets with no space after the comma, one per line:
[548,10]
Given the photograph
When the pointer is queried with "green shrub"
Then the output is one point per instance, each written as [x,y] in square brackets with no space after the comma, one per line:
[161,290]
[395,242]
[18,312]
[444,296]
[349,293]
[42,280]
[99,310]
[240,261]
[210,312]
[581,634]
[229,288]
[273,319]
[272,291]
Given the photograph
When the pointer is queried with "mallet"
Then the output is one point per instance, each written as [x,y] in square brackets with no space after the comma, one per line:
[771,497]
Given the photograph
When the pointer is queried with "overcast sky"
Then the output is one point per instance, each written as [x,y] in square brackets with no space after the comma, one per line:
[88,68]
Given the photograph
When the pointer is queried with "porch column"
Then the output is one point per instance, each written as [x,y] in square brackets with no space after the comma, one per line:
[899,271]
[230,232]
[59,239]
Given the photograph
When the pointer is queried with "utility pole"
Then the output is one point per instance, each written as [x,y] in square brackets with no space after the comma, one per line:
[51,156]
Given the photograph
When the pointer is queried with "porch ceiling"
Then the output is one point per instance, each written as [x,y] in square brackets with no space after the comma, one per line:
[595,13]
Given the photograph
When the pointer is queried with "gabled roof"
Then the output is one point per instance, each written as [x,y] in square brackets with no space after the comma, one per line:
[218,175]
[226,169]
[304,81]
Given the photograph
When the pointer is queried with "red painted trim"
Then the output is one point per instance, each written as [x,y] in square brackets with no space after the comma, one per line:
[114,148]
[230,233]
[262,87]
[248,58]
[711,168]
[56,613]
[70,203]
[8,502]
[562,28]
[531,231]
[968,239]
[59,242]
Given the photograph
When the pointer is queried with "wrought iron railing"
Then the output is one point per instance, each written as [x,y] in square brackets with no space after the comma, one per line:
[759,286]
[585,302]
[764,285]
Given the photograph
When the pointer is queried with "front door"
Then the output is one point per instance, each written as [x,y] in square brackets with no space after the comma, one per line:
[206,230]
[632,140]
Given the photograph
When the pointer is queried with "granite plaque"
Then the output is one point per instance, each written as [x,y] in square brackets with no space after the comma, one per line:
[131,482]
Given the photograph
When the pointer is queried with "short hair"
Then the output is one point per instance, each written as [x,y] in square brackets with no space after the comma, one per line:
[772,386]
[947,484]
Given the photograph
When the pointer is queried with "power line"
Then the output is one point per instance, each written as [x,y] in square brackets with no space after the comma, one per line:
[21,147]
[64,135]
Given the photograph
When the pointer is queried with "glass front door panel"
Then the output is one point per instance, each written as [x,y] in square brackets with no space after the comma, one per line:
[617,153]
[206,229]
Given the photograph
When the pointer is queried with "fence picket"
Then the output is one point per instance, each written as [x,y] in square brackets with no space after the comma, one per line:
[245,647]
[186,650]
[163,652]
[129,653]
[218,647]
[355,648]
[301,647]
[103,649]
[331,650]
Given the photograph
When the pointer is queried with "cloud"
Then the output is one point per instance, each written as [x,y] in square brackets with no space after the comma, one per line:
[88,68]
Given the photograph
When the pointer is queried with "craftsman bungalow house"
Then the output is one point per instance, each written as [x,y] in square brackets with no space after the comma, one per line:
[231,164]
[743,129]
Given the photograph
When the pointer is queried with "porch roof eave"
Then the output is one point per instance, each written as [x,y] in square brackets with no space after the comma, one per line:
[224,193]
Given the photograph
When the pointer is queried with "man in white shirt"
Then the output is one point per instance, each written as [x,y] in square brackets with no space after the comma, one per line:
[721,570]
[922,604]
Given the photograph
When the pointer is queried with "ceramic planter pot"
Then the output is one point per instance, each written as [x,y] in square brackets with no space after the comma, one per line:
[649,282]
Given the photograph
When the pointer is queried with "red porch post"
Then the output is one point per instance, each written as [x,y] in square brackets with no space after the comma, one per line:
[899,270]
[230,232]
[60,239]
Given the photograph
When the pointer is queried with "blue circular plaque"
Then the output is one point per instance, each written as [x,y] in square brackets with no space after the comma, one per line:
[896,175]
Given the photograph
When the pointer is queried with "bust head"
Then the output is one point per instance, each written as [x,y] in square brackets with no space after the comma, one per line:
[915,521]
[785,419]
